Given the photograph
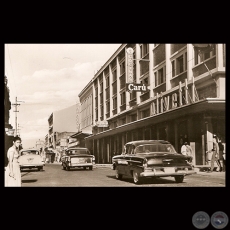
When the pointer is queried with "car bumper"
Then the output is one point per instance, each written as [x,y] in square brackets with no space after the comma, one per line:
[80,164]
[165,174]
[31,166]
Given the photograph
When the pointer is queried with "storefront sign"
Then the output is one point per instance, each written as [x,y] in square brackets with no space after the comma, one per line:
[137,87]
[130,52]
[102,124]
[10,132]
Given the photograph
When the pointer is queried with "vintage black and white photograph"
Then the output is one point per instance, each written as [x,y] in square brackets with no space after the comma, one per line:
[114,115]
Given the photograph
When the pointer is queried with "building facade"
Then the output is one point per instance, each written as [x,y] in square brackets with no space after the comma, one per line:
[173,92]
[62,121]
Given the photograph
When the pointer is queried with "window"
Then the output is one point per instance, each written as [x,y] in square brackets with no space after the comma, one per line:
[107,82]
[160,77]
[114,103]
[122,68]
[180,65]
[108,107]
[123,99]
[200,57]
[114,75]
[173,68]
[144,49]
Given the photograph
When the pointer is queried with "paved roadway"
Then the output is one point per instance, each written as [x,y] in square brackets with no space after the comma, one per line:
[54,176]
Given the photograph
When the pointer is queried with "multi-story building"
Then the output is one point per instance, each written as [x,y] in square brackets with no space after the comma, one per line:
[84,119]
[60,121]
[159,91]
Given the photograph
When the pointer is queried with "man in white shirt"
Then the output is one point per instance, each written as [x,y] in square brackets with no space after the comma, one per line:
[184,149]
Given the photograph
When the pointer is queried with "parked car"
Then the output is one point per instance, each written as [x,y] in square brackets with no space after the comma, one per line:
[77,157]
[151,158]
[30,158]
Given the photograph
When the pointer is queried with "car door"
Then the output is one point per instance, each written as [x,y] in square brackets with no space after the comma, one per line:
[128,156]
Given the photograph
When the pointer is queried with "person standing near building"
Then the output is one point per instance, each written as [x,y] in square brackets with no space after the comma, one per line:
[224,158]
[215,154]
[184,149]
[221,148]
[13,173]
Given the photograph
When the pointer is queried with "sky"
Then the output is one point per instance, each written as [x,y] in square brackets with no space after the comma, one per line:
[46,78]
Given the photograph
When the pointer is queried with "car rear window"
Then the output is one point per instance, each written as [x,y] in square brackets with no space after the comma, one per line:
[150,148]
[29,152]
[78,151]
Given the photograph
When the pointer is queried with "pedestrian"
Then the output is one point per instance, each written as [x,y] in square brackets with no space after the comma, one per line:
[221,149]
[184,149]
[215,155]
[224,158]
[13,173]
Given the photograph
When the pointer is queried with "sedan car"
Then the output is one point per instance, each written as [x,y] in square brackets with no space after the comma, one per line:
[77,157]
[151,158]
[30,158]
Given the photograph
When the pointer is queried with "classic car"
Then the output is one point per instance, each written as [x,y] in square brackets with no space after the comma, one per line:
[77,157]
[151,158]
[30,158]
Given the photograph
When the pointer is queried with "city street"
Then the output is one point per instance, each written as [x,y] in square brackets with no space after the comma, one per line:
[54,176]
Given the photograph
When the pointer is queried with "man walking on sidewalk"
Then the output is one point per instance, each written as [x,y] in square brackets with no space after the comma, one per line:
[215,155]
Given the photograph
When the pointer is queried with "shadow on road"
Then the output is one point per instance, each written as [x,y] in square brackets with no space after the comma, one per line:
[28,181]
[146,181]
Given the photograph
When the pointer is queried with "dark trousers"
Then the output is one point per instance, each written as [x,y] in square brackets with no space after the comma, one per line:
[224,161]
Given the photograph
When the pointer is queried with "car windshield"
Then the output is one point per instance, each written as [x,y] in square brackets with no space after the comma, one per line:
[29,152]
[78,151]
[150,148]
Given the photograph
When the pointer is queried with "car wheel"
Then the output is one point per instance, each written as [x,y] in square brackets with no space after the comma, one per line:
[118,176]
[39,168]
[84,168]
[63,167]
[67,168]
[90,167]
[136,177]
[179,179]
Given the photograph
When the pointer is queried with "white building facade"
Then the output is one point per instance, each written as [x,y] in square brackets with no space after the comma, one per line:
[184,100]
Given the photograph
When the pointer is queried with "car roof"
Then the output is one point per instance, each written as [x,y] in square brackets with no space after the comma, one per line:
[25,150]
[139,142]
[77,148]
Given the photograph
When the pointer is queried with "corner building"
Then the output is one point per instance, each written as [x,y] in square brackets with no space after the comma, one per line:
[185,100]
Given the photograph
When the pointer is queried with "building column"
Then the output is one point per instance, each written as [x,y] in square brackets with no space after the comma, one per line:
[104,96]
[98,99]
[219,56]
[138,57]
[118,86]
[151,75]
[168,74]
[110,91]
[127,93]
[190,61]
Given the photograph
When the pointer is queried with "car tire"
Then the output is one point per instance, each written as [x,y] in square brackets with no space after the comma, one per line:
[118,176]
[84,168]
[39,168]
[136,178]
[179,179]
[67,168]
[90,167]
[63,167]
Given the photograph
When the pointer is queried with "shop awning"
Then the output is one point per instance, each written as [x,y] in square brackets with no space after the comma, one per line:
[80,135]
[208,104]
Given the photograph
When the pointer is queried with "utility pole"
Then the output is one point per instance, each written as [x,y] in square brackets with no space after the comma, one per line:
[16,104]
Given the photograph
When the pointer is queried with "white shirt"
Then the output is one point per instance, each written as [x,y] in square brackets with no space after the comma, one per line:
[183,150]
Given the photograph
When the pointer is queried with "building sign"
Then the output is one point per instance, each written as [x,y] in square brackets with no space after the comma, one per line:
[102,124]
[130,52]
[10,132]
[137,87]
[172,101]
